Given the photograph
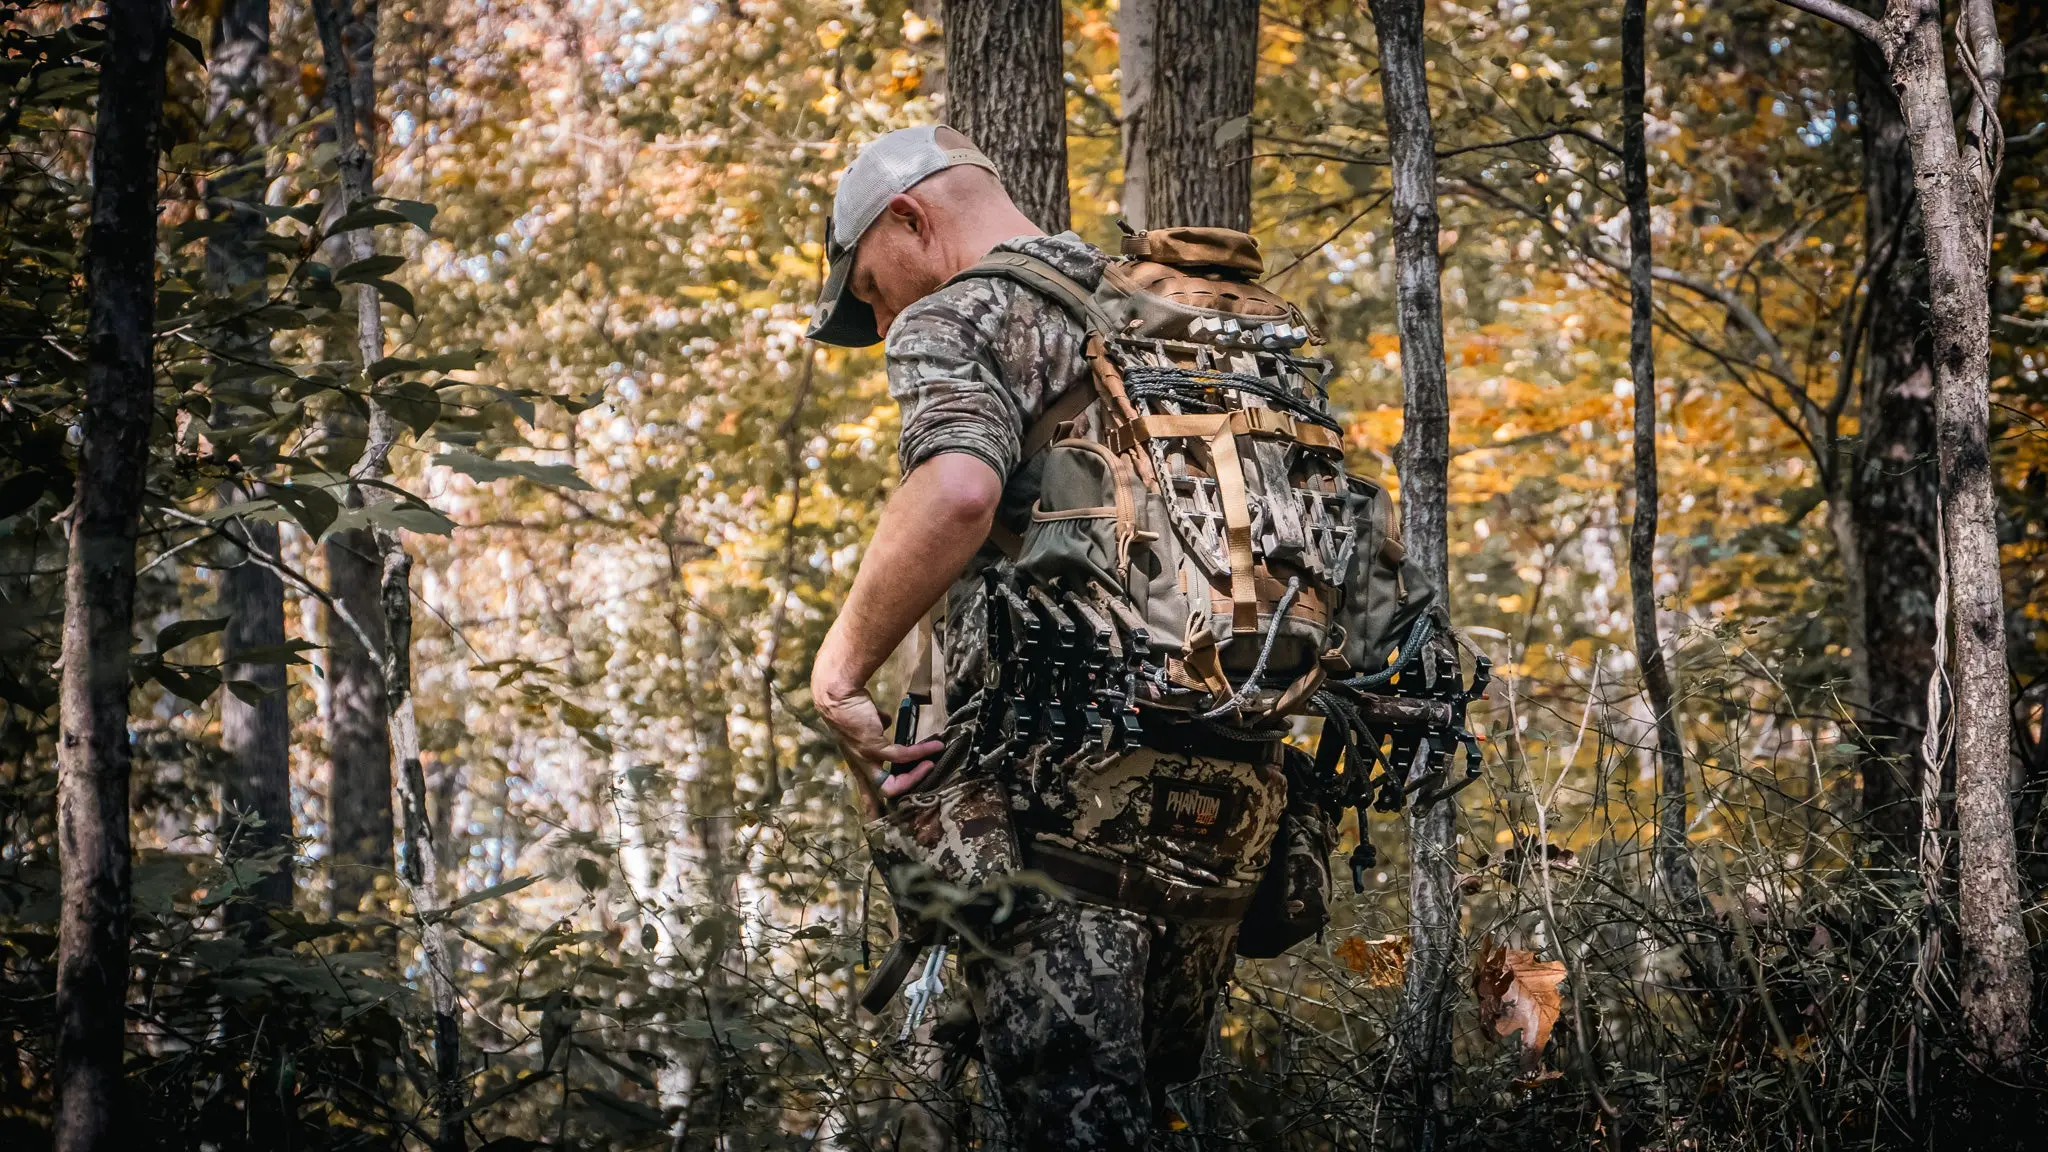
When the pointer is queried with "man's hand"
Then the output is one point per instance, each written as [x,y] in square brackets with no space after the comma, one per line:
[930,529]
[861,730]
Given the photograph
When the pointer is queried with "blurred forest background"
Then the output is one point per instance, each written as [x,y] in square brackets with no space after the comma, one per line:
[481,375]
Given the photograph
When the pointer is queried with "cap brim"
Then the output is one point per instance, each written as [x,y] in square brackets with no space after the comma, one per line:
[841,317]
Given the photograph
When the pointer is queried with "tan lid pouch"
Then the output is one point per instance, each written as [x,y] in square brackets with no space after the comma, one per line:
[1219,248]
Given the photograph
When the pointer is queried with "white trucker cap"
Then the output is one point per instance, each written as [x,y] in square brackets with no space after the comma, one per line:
[887,167]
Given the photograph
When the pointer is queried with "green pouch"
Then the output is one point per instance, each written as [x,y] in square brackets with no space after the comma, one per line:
[1085,519]
[1383,595]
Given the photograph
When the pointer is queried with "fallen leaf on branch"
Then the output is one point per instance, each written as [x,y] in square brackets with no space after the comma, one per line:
[1380,961]
[1518,993]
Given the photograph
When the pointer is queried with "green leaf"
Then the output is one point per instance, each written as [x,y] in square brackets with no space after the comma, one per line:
[486,469]
[303,213]
[365,218]
[185,682]
[396,295]
[248,692]
[461,359]
[189,43]
[312,509]
[492,893]
[172,635]
[416,405]
[379,369]
[621,1116]
[289,652]
[409,517]
[421,214]
[368,269]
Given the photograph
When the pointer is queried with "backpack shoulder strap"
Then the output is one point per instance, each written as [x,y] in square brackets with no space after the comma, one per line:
[1078,302]
[1044,279]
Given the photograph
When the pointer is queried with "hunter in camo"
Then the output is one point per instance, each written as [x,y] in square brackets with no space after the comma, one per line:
[1087,1012]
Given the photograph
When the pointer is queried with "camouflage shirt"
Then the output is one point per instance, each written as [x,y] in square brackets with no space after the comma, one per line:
[972,366]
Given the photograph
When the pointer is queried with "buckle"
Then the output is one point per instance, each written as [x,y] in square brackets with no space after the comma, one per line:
[1262,422]
[1127,878]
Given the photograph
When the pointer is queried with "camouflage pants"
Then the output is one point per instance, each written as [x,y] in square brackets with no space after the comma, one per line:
[1088,1013]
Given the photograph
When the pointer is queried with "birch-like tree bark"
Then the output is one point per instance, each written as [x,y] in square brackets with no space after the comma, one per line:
[1004,90]
[1954,172]
[1423,459]
[348,47]
[255,733]
[1675,871]
[99,583]
[1194,139]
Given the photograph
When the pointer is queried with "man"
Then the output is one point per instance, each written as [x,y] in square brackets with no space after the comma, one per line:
[1087,1008]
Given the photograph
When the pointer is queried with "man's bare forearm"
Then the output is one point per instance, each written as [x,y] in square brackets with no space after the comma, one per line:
[930,529]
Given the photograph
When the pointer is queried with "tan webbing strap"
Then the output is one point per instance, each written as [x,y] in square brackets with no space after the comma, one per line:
[1070,404]
[1237,530]
[1214,429]
[1267,422]
[1245,422]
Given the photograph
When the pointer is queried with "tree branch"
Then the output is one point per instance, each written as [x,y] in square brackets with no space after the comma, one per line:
[1836,12]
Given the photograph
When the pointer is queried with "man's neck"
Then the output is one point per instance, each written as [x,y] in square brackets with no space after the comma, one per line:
[973,247]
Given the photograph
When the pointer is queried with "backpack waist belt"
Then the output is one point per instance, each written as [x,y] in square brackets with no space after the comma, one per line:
[1120,884]
[1209,740]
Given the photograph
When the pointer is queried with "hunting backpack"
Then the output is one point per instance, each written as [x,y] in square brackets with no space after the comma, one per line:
[1199,485]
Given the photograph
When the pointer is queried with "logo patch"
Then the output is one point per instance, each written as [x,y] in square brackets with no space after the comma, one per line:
[1191,811]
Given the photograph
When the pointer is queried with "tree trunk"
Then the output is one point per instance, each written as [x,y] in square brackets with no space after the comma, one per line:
[1894,481]
[1136,22]
[1675,873]
[358,740]
[359,735]
[255,733]
[1004,89]
[348,41]
[422,867]
[1423,460]
[1954,188]
[1953,175]
[1195,135]
[99,582]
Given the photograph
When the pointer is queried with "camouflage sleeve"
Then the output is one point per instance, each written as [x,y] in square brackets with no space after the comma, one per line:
[950,394]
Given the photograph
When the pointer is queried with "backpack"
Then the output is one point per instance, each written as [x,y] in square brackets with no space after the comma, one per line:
[1198,483]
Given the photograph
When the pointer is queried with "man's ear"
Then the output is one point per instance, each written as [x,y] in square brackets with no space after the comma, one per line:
[909,211]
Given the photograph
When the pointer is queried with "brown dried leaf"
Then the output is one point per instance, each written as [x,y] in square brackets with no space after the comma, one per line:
[1516,860]
[1380,961]
[1519,993]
